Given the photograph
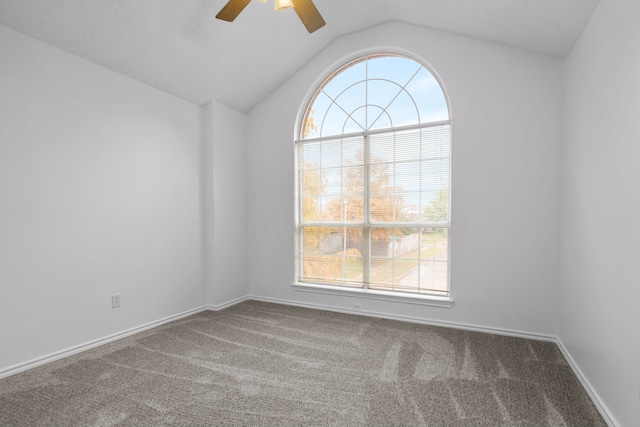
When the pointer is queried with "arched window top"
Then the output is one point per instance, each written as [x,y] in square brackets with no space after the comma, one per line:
[375,92]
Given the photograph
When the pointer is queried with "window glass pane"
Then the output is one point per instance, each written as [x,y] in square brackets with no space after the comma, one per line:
[418,81]
[312,124]
[333,121]
[311,209]
[410,260]
[395,254]
[381,93]
[436,142]
[331,254]
[309,155]
[387,192]
[407,176]
[436,207]
[352,198]
[353,98]
[352,124]
[353,151]
[382,148]
[407,206]
[331,154]
[434,253]
[382,119]
[354,208]
[403,110]
[395,68]
[429,96]
[350,74]
[325,209]
[331,180]
[311,182]
[435,174]
[311,189]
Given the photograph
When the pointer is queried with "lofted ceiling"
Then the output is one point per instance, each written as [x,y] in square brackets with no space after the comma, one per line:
[178,45]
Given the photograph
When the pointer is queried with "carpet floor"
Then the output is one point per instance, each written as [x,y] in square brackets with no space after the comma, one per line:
[262,364]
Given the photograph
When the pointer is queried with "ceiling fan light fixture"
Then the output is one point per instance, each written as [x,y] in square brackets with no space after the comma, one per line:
[283,4]
[305,9]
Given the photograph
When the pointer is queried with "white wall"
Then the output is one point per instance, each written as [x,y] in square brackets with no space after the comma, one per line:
[224,196]
[601,207]
[507,130]
[103,190]
[99,194]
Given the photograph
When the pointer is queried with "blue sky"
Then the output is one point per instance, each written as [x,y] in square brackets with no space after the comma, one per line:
[379,93]
[369,95]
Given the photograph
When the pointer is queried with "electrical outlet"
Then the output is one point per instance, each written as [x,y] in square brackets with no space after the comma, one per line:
[115,301]
[357,306]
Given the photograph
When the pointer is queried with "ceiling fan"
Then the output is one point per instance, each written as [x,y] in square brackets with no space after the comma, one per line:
[306,10]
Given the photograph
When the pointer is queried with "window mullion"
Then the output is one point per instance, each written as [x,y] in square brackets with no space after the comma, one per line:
[366,229]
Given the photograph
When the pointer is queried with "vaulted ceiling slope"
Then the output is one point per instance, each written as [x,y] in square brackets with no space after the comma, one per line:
[178,45]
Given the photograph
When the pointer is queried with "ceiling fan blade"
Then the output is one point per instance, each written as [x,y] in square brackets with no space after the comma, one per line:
[232,9]
[308,14]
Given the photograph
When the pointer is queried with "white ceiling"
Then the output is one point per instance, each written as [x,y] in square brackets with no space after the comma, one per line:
[178,45]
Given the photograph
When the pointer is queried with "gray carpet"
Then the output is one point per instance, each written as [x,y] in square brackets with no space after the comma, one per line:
[261,364]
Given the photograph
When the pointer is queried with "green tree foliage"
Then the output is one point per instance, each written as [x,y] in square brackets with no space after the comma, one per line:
[438,209]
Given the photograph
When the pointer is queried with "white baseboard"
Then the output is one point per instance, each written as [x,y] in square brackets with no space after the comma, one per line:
[599,404]
[30,364]
[595,398]
[411,319]
[227,304]
[602,408]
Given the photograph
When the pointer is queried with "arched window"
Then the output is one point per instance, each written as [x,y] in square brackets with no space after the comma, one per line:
[373,179]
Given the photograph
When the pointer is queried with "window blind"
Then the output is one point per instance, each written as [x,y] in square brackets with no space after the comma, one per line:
[374,209]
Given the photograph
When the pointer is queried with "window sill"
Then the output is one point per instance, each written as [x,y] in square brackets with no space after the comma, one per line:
[431,300]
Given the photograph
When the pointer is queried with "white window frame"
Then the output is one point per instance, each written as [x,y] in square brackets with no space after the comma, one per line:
[364,291]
